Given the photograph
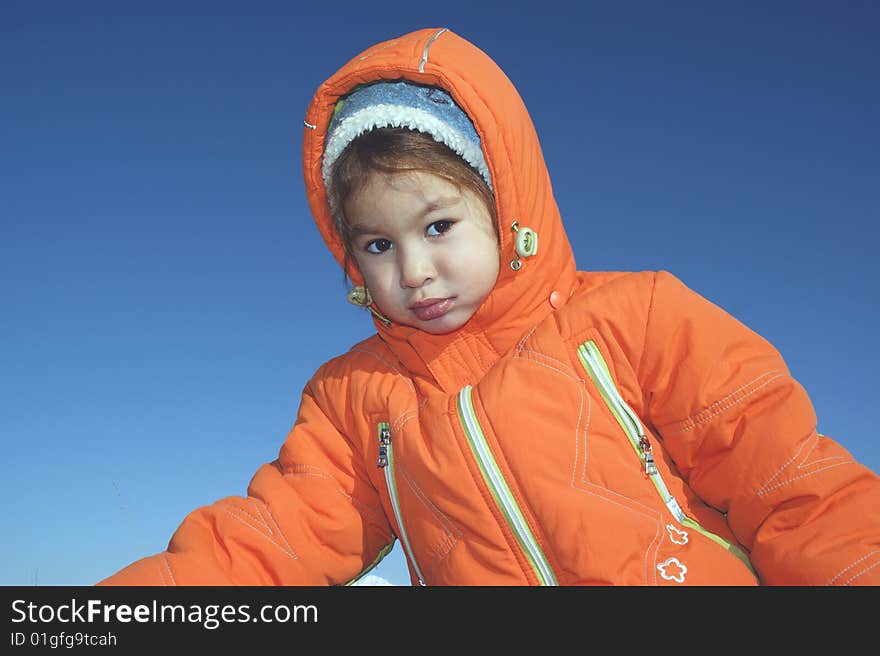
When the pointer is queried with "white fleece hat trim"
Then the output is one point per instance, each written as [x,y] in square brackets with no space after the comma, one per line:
[400,116]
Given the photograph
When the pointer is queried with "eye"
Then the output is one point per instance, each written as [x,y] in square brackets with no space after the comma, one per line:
[377,246]
[439,227]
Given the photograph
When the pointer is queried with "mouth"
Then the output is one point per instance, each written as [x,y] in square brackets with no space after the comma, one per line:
[431,308]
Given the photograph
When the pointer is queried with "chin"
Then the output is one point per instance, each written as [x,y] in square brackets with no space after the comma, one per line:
[442,326]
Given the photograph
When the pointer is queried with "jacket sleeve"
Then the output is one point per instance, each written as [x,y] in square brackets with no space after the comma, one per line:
[743,433]
[311,517]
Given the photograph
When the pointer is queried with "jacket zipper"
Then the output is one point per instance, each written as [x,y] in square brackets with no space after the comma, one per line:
[500,490]
[596,367]
[386,462]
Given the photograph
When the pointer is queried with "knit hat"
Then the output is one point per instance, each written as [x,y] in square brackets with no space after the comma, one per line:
[407,105]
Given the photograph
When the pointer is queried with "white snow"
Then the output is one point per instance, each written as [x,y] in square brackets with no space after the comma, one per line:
[372,579]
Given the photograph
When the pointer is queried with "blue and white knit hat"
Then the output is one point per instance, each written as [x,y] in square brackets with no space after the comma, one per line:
[407,105]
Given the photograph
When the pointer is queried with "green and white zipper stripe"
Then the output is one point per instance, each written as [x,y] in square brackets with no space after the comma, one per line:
[386,461]
[596,367]
[500,490]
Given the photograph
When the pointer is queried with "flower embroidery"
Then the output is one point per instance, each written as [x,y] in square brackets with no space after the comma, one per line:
[676,568]
[677,536]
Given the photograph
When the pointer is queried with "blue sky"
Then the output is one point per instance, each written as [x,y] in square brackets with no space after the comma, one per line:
[165,294]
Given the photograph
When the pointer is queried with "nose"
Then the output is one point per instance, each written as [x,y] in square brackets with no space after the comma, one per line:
[416,267]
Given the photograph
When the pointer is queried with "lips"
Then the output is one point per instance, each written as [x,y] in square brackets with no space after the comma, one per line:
[431,308]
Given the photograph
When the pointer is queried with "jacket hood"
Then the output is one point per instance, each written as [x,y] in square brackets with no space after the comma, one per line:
[521,185]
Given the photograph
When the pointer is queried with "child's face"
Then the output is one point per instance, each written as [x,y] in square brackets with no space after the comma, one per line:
[427,250]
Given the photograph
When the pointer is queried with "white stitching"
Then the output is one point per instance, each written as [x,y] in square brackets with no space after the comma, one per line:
[864,571]
[577,434]
[653,568]
[358,349]
[317,472]
[161,573]
[766,487]
[651,514]
[404,417]
[168,567]
[445,546]
[285,548]
[765,490]
[449,527]
[853,564]
[786,464]
[521,345]
[266,509]
[721,408]
[567,374]
[568,371]
[289,554]
[814,442]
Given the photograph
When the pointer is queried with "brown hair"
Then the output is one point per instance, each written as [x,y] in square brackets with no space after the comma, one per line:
[391,151]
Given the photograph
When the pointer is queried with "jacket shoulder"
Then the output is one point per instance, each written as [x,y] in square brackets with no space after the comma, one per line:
[606,299]
[615,309]
[362,379]
[369,357]
[631,296]
[644,281]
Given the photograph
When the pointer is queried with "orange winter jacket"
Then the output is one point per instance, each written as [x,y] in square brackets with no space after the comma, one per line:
[581,428]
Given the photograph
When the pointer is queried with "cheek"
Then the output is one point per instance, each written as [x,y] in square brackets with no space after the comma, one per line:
[376,275]
[490,276]
[481,261]
[363,264]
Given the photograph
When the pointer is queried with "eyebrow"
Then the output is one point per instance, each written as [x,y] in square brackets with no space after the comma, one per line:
[358,229]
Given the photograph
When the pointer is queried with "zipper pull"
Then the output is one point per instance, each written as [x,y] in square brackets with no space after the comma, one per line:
[645,446]
[384,442]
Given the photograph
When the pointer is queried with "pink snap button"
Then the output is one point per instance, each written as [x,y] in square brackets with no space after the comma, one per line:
[556,299]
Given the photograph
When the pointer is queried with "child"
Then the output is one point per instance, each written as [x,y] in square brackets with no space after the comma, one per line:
[515,421]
